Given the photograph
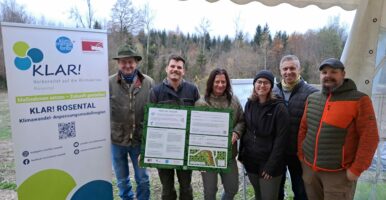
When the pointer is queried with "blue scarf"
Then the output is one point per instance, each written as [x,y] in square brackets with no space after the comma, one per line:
[130,77]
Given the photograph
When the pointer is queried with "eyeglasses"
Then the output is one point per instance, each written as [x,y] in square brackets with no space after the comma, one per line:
[263,83]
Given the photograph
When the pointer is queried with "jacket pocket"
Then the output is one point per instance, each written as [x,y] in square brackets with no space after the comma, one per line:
[116,132]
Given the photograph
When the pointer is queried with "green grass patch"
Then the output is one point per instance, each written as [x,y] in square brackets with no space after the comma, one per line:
[250,193]
[366,190]
[115,189]
[7,166]
[7,186]
[5,133]
[5,124]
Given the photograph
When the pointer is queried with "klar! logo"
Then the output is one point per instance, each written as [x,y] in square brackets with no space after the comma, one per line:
[25,55]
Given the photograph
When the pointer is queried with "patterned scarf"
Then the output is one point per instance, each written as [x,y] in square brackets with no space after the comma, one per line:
[290,87]
[130,77]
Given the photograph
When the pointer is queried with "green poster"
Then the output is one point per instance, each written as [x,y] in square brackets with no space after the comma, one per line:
[185,137]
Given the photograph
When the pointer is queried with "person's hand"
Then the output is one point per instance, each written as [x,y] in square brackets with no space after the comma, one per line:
[235,137]
[266,176]
[351,176]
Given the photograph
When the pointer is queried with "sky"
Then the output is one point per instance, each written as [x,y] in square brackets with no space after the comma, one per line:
[187,15]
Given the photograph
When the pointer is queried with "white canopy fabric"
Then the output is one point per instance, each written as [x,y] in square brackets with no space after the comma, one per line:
[359,54]
[345,4]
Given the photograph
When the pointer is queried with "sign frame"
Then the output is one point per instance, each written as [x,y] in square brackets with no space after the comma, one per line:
[189,110]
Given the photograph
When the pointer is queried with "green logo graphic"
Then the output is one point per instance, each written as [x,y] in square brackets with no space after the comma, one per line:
[48,184]
[26,55]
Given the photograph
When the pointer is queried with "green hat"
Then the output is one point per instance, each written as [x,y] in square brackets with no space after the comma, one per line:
[127,52]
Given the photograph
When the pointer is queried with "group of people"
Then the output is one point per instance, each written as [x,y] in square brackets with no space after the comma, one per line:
[325,139]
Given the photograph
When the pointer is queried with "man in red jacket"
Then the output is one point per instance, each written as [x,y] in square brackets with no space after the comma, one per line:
[338,135]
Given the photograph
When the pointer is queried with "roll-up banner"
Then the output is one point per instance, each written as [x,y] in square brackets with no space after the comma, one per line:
[59,104]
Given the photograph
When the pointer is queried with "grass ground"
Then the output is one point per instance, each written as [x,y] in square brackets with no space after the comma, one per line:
[370,191]
[155,186]
[7,164]
[5,125]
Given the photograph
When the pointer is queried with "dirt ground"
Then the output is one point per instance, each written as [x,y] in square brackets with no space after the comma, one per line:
[8,194]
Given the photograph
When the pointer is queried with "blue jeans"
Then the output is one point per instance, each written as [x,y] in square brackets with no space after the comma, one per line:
[121,168]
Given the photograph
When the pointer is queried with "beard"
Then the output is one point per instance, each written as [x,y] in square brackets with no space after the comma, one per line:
[332,84]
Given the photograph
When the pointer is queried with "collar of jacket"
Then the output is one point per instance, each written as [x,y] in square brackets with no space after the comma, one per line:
[218,98]
[166,82]
[140,78]
[269,102]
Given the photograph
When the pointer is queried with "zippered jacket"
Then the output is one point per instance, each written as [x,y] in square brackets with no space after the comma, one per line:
[338,130]
[264,142]
[127,108]
[186,95]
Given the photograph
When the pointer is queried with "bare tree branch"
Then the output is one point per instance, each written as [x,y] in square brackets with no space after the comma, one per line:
[81,20]
[126,18]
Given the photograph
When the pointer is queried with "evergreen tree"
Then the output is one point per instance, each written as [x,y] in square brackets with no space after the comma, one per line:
[97,25]
[226,44]
[201,61]
[257,37]
[207,41]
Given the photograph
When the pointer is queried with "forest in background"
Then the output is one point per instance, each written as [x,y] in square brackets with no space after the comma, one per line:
[241,54]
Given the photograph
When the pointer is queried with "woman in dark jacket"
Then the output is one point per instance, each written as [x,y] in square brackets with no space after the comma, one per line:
[263,144]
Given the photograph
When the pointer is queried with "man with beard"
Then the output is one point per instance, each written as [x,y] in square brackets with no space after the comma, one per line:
[338,135]
[175,90]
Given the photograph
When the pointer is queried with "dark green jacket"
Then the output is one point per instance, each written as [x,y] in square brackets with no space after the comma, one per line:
[127,108]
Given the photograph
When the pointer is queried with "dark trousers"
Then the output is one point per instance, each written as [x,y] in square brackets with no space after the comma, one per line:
[230,181]
[295,170]
[265,189]
[167,180]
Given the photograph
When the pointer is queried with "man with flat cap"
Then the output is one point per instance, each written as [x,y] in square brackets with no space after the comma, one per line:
[338,135]
[129,92]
